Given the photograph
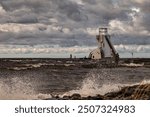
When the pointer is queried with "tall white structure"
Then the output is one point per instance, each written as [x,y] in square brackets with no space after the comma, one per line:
[105,48]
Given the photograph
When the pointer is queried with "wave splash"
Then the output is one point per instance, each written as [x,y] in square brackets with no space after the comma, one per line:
[15,89]
[98,82]
[101,84]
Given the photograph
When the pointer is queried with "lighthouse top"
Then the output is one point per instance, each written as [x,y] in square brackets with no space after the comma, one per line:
[103,31]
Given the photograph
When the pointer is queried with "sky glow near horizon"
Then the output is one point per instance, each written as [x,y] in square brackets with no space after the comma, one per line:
[50,51]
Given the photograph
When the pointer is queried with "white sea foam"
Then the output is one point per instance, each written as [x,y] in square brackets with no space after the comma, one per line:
[29,66]
[133,65]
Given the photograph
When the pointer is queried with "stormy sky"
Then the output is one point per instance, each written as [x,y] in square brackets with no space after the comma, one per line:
[73,22]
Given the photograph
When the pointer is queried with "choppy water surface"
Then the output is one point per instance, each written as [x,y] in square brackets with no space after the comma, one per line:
[38,79]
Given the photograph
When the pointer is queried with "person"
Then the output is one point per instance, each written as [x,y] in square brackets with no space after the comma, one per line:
[132,54]
[70,56]
[117,58]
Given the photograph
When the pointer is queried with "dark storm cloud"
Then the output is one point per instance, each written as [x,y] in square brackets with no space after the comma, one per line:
[91,13]
[68,8]
[102,11]
[66,21]
[47,8]
[39,5]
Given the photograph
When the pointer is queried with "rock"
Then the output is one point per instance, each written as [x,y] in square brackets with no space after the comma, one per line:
[76,96]
[89,98]
[57,97]
[97,97]
[66,97]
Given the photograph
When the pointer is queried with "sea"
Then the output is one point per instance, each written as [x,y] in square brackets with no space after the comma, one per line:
[38,73]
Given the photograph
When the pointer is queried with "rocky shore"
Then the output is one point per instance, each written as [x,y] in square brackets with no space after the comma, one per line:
[136,92]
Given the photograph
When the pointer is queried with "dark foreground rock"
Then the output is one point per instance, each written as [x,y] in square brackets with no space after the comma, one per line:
[136,92]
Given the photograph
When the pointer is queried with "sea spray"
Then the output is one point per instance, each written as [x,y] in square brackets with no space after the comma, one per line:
[15,88]
[98,81]
[103,81]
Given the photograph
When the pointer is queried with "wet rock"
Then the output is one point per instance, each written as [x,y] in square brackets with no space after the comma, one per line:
[76,96]
[66,97]
[97,97]
[57,97]
[89,98]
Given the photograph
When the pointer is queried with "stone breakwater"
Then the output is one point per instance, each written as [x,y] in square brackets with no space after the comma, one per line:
[136,92]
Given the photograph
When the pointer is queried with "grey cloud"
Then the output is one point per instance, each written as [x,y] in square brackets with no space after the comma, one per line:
[144,15]
[60,9]
[39,5]
[71,15]
[70,9]
[102,11]
[93,12]
[26,19]
[145,21]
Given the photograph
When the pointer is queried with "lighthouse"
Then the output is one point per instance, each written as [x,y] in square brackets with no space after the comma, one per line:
[105,48]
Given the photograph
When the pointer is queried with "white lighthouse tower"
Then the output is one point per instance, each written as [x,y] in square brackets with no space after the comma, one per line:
[105,48]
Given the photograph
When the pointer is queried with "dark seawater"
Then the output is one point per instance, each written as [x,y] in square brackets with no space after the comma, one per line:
[41,78]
